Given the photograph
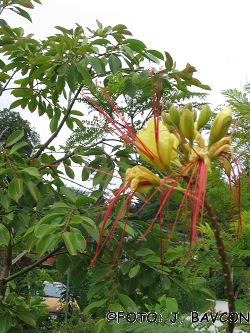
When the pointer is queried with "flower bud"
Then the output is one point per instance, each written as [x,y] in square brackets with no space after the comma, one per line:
[168,105]
[194,114]
[220,125]
[188,106]
[187,125]
[166,119]
[141,179]
[226,165]
[215,148]
[204,117]
[174,116]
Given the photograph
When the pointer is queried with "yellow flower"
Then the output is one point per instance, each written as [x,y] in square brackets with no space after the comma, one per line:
[141,179]
[155,145]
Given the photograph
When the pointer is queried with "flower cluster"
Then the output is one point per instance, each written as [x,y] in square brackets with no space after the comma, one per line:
[179,155]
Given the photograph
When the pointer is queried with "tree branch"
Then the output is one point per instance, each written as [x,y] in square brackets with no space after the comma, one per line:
[54,135]
[67,155]
[224,264]
[27,269]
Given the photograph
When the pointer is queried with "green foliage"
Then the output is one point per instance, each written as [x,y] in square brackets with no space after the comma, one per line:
[81,323]
[187,302]
[10,122]
[40,215]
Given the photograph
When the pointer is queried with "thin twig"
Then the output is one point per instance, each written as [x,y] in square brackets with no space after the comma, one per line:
[54,135]
[27,269]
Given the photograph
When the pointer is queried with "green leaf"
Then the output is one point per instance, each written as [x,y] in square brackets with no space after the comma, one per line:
[5,200]
[32,105]
[91,228]
[134,271]
[12,192]
[153,259]
[114,63]
[69,239]
[108,175]
[168,62]
[135,42]
[70,123]
[98,178]
[83,200]
[165,283]
[95,289]
[131,87]
[71,78]
[32,172]
[69,172]
[119,27]
[207,292]
[69,193]
[16,104]
[51,217]
[156,53]
[127,302]
[100,273]
[46,243]
[180,284]
[27,319]
[5,322]
[80,242]
[45,229]
[54,123]
[144,75]
[18,183]
[94,305]
[77,219]
[60,84]
[4,235]
[196,280]
[144,252]
[62,263]
[21,12]
[85,174]
[126,266]
[125,152]
[96,64]
[85,74]
[128,229]
[98,328]
[100,41]
[3,23]
[99,24]
[42,202]
[33,190]
[61,205]
[128,50]
[171,304]
[14,137]
[18,146]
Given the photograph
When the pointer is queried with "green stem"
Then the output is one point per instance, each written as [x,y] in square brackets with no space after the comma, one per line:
[224,263]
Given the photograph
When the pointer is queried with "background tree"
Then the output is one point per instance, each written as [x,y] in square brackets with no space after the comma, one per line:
[11,121]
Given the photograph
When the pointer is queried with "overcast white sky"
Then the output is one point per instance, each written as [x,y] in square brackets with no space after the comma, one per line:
[211,35]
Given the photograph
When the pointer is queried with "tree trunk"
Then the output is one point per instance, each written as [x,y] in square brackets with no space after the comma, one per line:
[224,265]
[5,271]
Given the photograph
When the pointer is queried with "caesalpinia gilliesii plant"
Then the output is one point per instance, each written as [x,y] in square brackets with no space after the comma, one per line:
[174,145]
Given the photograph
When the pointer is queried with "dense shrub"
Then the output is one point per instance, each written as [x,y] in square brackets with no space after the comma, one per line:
[187,302]
[216,283]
